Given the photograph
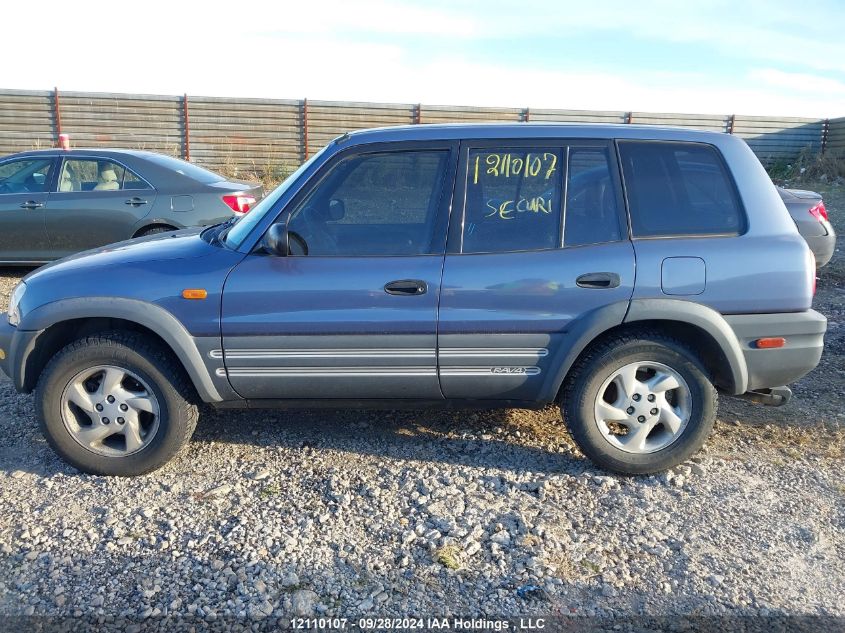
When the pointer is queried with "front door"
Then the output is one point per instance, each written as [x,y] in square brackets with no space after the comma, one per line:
[97,202]
[24,183]
[353,312]
[542,242]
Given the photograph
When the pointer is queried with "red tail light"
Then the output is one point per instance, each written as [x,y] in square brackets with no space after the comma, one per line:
[819,212]
[238,202]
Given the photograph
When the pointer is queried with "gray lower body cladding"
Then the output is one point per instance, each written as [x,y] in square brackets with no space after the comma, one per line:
[804,334]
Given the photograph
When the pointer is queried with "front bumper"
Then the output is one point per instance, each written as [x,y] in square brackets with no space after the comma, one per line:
[804,334]
[15,348]
[6,334]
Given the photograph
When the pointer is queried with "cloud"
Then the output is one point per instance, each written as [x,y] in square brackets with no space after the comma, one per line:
[442,52]
[803,82]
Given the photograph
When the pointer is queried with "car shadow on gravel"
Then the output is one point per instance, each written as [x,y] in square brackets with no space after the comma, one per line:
[487,439]
[511,439]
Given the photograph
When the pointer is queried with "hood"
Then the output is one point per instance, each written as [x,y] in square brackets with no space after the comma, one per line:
[178,245]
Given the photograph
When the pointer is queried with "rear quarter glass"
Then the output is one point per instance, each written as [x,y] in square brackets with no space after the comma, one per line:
[678,188]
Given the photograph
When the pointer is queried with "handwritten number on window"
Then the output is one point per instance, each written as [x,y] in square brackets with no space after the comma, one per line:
[510,166]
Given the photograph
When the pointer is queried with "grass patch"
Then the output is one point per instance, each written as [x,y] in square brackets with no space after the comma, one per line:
[563,566]
[808,166]
[449,556]
[270,491]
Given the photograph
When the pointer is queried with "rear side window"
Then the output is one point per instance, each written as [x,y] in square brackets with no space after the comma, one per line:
[90,174]
[592,214]
[513,200]
[678,189]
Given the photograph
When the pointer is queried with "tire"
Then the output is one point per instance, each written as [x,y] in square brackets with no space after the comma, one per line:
[155,230]
[646,442]
[154,391]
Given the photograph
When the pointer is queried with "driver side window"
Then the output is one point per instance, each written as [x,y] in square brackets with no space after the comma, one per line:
[27,175]
[377,204]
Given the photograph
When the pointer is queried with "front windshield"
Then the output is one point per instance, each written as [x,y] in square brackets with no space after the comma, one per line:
[243,227]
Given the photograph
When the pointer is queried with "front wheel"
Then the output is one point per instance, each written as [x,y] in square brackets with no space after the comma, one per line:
[640,403]
[115,404]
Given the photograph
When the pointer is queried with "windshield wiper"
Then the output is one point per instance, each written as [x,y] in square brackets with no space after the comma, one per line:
[225,228]
[218,231]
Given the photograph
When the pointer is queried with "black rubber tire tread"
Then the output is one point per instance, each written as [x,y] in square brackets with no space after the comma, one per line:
[148,359]
[156,229]
[585,378]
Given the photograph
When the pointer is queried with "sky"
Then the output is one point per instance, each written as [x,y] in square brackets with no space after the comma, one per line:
[697,56]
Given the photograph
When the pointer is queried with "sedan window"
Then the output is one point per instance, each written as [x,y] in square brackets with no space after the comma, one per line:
[89,174]
[28,175]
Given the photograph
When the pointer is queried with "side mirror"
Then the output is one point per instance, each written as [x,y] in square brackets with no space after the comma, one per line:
[277,240]
[337,210]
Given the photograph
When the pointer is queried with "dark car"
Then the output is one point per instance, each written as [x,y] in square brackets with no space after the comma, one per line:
[625,273]
[57,202]
[808,211]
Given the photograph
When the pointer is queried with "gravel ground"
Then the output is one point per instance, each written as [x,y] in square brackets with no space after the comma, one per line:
[270,514]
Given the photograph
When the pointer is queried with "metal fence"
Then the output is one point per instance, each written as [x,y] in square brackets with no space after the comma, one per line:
[265,134]
[835,139]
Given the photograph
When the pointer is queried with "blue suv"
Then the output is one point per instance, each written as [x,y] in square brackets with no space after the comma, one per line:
[627,273]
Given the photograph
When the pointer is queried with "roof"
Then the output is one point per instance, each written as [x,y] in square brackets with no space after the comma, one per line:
[84,151]
[453,131]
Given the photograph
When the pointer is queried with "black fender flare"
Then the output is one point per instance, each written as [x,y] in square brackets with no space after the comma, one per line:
[589,327]
[704,318]
[148,315]
[578,336]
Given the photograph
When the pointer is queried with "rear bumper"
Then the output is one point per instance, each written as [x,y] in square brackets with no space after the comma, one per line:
[822,247]
[804,334]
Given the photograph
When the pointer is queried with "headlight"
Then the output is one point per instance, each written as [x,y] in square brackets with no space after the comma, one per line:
[14,303]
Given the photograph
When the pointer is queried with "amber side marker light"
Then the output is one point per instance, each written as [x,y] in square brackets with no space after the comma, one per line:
[194,293]
[769,343]
[2,354]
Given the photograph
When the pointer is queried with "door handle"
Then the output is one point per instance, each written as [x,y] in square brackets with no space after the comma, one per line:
[31,204]
[136,201]
[406,287]
[598,280]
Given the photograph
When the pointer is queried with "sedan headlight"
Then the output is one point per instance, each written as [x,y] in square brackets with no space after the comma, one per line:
[14,304]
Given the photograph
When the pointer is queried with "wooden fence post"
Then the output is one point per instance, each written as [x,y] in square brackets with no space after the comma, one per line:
[57,112]
[304,130]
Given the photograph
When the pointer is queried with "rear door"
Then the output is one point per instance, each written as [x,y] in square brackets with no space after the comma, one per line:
[98,201]
[353,312]
[537,241]
[24,183]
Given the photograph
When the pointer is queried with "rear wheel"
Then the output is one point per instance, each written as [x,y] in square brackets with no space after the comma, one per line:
[115,404]
[639,404]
